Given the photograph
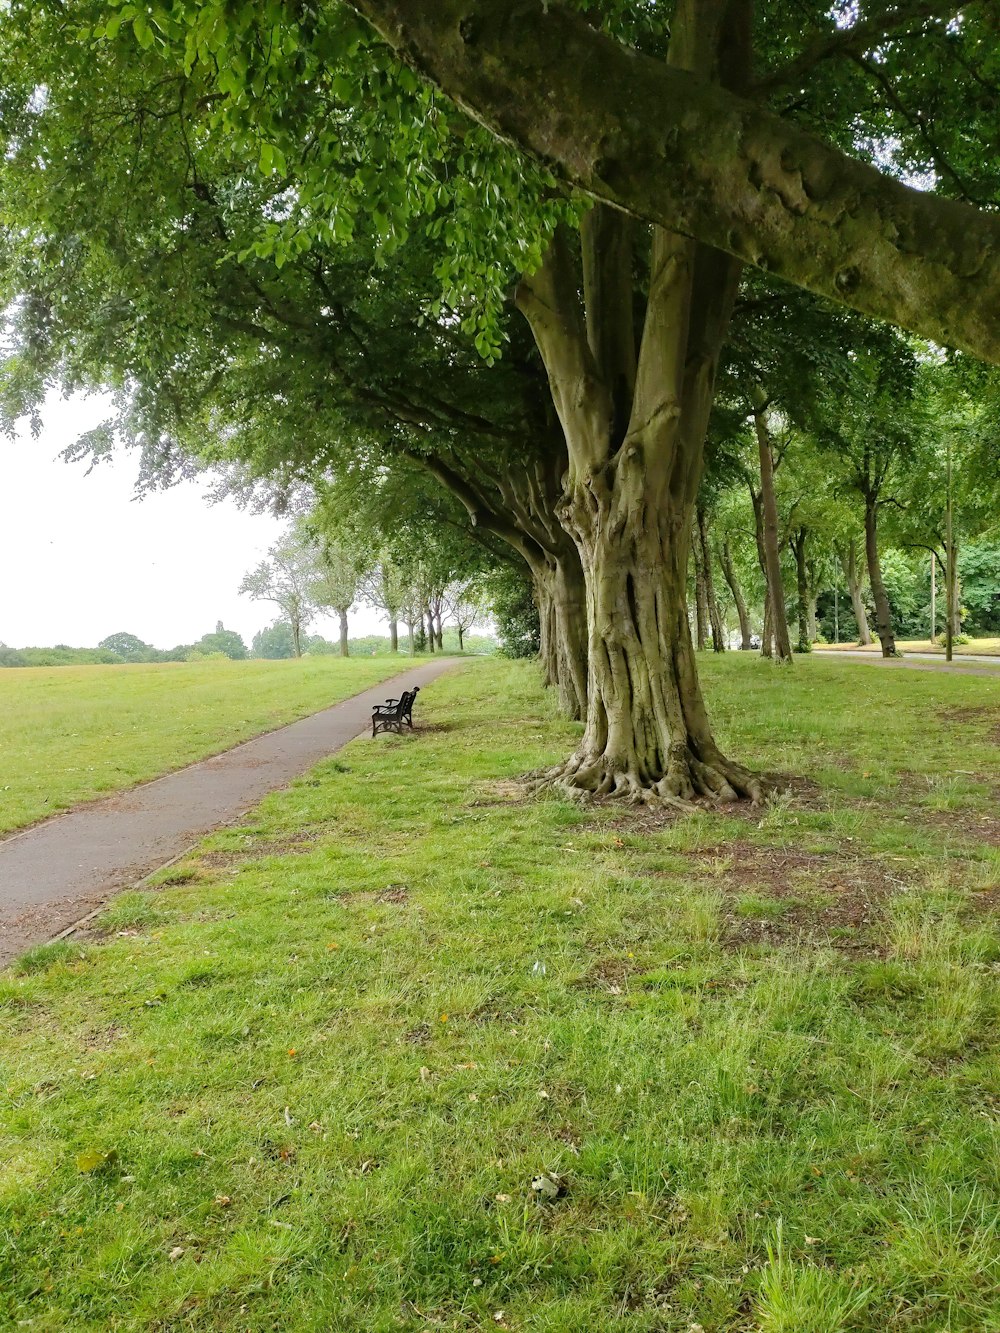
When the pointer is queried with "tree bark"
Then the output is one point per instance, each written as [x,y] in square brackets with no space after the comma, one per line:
[729,573]
[410,625]
[677,150]
[849,562]
[429,630]
[561,597]
[296,636]
[769,534]
[883,612]
[393,636]
[342,613]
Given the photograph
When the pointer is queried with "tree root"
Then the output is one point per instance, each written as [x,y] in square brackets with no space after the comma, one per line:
[687,782]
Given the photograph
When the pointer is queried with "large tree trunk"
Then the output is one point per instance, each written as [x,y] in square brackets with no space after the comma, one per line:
[798,545]
[342,613]
[729,572]
[393,636]
[635,433]
[767,634]
[410,626]
[883,612]
[630,511]
[561,596]
[772,555]
[849,562]
[296,636]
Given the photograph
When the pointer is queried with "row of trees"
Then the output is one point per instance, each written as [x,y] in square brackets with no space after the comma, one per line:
[312,571]
[562,333]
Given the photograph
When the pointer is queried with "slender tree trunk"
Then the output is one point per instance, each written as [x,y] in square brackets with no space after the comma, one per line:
[700,599]
[409,630]
[849,562]
[429,620]
[393,636]
[461,638]
[296,636]
[798,545]
[767,634]
[883,612]
[729,573]
[953,597]
[772,556]
[712,602]
[811,618]
[344,650]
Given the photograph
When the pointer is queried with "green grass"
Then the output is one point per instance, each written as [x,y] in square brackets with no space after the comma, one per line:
[307,1083]
[68,734]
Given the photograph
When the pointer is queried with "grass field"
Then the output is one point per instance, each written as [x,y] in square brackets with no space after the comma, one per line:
[987,647]
[307,1083]
[68,734]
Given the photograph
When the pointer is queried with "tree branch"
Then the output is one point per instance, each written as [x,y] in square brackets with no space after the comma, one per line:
[676,150]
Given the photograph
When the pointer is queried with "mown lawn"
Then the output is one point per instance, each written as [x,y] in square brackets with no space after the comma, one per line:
[68,734]
[759,1052]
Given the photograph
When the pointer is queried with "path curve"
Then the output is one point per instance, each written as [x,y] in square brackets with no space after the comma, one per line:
[57,872]
[928,662]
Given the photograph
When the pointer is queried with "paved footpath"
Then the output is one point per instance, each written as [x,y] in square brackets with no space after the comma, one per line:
[54,874]
[926,662]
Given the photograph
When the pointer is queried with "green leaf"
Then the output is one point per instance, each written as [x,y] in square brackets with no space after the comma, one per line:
[93,1159]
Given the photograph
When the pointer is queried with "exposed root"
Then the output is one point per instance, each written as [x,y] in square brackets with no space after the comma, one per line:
[688,780]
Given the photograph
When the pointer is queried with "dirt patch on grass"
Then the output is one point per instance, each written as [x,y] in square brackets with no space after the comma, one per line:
[608,974]
[500,793]
[772,895]
[986,714]
[291,844]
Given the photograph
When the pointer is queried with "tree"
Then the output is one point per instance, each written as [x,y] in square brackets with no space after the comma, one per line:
[274,642]
[634,416]
[286,578]
[338,580]
[127,646]
[222,640]
[463,607]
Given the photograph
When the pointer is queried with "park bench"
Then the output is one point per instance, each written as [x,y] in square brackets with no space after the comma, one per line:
[391,715]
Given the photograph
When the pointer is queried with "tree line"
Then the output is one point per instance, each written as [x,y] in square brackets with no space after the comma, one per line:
[636,301]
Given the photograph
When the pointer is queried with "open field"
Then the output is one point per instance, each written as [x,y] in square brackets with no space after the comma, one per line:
[306,1084]
[989,647]
[68,734]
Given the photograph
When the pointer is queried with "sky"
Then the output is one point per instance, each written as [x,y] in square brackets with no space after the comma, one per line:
[82,558]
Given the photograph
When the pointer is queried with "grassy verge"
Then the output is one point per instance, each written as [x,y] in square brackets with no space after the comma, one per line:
[68,734]
[989,647]
[308,1083]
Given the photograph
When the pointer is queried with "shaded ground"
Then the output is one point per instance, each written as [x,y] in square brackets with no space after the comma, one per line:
[55,873]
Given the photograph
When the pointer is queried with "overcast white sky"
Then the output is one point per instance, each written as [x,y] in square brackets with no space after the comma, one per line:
[81,558]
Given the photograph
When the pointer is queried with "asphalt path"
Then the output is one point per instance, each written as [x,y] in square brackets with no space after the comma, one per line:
[56,873]
[926,662]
